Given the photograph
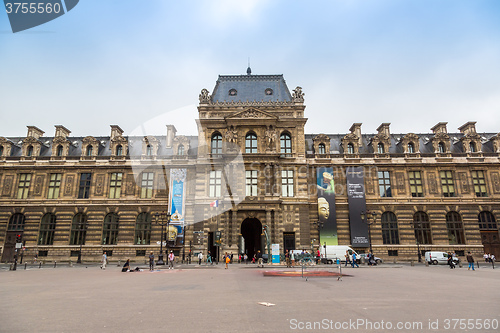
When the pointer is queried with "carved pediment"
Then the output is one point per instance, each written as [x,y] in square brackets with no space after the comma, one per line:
[413,139]
[321,137]
[251,113]
[90,140]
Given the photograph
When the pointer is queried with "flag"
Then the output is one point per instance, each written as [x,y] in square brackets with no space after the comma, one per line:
[214,204]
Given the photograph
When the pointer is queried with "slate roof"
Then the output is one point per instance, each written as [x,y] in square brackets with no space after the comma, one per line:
[456,146]
[251,88]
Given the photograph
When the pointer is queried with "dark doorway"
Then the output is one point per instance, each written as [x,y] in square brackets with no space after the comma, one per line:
[9,248]
[251,230]
[212,248]
[289,241]
[491,242]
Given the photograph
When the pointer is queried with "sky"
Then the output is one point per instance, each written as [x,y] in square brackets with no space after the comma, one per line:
[410,63]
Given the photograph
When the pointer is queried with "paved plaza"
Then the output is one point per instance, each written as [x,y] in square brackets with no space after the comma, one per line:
[191,298]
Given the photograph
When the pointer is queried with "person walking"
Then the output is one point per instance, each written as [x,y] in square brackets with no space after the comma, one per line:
[354,262]
[287,259]
[200,258]
[470,260]
[209,258]
[104,260]
[259,259]
[227,259]
[347,258]
[450,261]
[245,257]
[151,261]
[171,258]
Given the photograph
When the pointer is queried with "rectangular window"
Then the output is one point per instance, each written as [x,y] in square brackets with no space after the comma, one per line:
[147,185]
[251,183]
[115,185]
[287,183]
[214,187]
[416,184]
[84,189]
[479,183]
[447,183]
[384,184]
[54,186]
[392,253]
[24,185]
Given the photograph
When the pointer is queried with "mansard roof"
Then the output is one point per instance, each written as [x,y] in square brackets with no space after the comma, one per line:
[76,146]
[456,144]
[251,88]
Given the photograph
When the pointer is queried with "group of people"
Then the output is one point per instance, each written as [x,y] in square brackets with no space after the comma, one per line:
[348,260]
[489,257]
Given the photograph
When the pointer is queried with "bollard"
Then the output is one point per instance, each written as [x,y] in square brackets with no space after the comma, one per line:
[493,264]
[70,263]
[119,263]
[11,267]
[460,264]
[40,266]
[412,263]
[426,263]
[25,265]
[55,264]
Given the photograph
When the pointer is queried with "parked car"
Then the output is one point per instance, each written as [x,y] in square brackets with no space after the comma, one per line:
[365,256]
[435,258]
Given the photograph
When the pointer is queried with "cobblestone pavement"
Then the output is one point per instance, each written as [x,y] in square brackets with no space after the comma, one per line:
[241,299]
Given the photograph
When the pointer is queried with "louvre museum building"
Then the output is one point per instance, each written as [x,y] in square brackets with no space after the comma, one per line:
[250,178]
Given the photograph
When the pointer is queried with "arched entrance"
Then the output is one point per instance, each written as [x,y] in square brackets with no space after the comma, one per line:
[251,230]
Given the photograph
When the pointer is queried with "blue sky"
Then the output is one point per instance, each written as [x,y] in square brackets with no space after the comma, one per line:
[128,62]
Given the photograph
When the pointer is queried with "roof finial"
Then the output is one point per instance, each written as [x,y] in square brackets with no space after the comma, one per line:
[249,70]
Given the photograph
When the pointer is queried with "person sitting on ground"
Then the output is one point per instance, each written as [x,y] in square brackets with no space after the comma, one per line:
[126,266]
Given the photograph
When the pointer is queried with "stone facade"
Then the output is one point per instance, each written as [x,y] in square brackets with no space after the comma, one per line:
[253,157]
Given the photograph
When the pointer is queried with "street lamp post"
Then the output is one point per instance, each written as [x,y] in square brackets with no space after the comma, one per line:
[320,226]
[417,236]
[159,217]
[365,216]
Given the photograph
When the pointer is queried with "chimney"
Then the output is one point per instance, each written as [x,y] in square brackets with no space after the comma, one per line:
[383,130]
[356,129]
[115,131]
[468,128]
[439,128]
[62,131]
[34,132]
[171,131]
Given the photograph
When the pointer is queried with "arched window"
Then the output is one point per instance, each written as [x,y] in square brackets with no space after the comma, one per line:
[216,144]
[251,143]
[487,221]
[143,229]
[59,150]
[422,228]
[321,148]
[29,152]
[350,148]
[390,233]
[149,150]
[286,144]
[16,222]
[110,229]
[411,148]
[455,228]
[441,148]
[90,150]
[180,150]
[119,150]
[78,229]
[47,229]
[380,148]
[472,147]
